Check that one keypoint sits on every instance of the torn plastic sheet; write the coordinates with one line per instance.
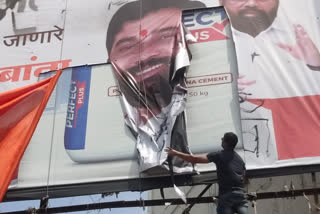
(150, 69)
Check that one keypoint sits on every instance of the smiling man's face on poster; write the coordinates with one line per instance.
(149, 56)
(143, 53)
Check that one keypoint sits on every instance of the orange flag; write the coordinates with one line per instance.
(20, 111)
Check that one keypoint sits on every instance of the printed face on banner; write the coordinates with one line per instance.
(279, 63)
(246, 15)
(149, 57)
(143, 53)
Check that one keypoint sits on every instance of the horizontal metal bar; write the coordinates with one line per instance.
(119, 204)
(287, 194)
(144, 184)
(165, 202)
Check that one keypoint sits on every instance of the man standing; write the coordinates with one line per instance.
(230, 171)
(147, 48)
(279, 76)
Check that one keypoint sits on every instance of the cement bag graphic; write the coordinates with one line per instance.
(94, 119)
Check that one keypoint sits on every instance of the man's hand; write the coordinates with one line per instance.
(187, 157)
(304, 49)
(170, 151)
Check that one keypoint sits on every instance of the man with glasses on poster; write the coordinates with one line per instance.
(279, 73)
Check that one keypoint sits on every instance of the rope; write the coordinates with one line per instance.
(310, 204)
(140, 67)
(55, 108)
(254, 204)
(139, 105)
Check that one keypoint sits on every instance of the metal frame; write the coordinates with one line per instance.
(163, 202)
(154, 183)
(143, 184)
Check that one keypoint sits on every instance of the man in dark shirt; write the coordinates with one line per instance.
(230, 170)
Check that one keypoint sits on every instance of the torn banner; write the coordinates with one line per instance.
(149, 58)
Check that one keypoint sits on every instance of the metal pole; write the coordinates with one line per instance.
(162, 202)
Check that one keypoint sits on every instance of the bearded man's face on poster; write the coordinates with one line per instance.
(143, 53)
(248, 14)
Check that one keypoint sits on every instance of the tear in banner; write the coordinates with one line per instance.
(149, 56)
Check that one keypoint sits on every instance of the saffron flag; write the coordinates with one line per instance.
(20, 111)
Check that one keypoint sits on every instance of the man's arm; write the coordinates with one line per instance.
(188, 157)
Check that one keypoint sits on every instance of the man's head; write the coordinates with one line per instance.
(140, 42)
(251, 16)
(229, 141)
(137, 9)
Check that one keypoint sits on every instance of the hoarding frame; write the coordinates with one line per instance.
(143, 184)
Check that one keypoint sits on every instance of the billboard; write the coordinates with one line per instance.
(99, 148)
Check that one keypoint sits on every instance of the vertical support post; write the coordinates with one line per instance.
(187, 210)
(314, 181)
